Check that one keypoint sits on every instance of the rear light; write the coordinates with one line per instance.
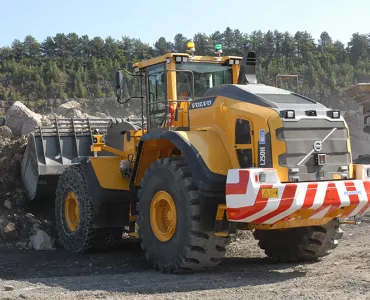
(262, 177)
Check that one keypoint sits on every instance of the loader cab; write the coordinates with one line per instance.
(173, 80)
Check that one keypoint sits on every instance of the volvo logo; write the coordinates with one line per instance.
(317, 146)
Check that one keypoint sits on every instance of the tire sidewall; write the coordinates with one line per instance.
(165, 253)
(72, 181)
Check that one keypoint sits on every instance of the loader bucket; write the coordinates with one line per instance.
(51, 149)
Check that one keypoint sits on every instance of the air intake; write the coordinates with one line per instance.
(247, 72)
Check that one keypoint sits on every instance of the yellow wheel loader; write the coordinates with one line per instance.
(215, 152)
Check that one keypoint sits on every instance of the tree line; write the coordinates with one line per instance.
(72, 66)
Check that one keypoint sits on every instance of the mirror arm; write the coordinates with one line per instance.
(119, 97)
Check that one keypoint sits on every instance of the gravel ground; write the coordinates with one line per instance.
(245, 274)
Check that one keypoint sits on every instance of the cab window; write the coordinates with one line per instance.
(206, 76)
(156, 95)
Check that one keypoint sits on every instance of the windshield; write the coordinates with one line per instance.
(206, 75)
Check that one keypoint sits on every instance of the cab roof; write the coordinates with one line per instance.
(196, 58)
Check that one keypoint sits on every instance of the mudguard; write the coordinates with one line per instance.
(111, 206)
(202, 151)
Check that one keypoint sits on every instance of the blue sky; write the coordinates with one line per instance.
(149, 20)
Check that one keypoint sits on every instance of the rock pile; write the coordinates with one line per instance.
(17, 225)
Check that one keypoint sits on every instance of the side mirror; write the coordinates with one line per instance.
(119, 84)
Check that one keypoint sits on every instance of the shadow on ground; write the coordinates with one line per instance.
(125, 270)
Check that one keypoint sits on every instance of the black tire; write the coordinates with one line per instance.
(85, 238)
(189, 249)
(299, 244)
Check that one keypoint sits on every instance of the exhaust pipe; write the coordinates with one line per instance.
(247, 72)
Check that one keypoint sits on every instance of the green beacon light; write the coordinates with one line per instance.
(218, 50)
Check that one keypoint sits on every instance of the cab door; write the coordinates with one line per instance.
(156, 93)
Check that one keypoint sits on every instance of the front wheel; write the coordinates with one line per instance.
(169, 220)
(73, 216)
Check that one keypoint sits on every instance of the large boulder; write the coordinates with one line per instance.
(21, 120)
(101, 115)
(5, 131)
(69, 109)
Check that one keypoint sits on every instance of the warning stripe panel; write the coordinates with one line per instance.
(323, 198)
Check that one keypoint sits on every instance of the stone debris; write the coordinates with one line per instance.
(9, 232)
(40, 240)
(8, 204)
(8, 288)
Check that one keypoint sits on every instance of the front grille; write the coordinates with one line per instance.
(244, 157)
(300, 137)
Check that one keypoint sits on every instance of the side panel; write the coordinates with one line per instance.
(110, 198)
(221, 116)
(210, 148)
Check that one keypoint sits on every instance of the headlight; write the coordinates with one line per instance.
(288, 114)
(336, 114)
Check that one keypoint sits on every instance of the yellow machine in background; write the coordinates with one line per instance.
(220, 152)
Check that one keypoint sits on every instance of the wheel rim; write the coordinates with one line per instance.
(163, 217)
(71, 211)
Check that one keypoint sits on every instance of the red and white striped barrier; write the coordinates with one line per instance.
(248, 200)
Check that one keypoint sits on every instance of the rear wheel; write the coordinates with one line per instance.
(299, 244)
(73, 216)
(169, 220)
